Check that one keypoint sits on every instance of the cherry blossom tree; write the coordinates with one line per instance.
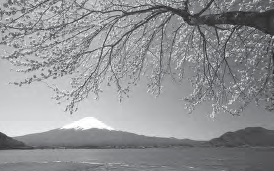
(223, 47)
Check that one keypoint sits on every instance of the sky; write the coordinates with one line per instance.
(30, 109)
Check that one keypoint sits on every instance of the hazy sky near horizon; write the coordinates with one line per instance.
(30, 109)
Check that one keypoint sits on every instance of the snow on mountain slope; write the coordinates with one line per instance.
(87, 123)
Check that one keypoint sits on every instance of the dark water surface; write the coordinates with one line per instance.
(173, 159)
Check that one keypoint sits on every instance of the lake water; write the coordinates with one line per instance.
(173, 159)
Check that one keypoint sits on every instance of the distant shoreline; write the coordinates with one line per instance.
(104, 148)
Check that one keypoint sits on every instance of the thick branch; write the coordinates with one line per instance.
(263, 21)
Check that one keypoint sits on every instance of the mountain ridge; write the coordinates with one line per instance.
(92, 133)
(248, 137)
(98, 138)
(7, 142)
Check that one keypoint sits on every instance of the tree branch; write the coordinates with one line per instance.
(263, 21)
(203, 10)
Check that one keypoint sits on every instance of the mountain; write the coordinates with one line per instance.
(251, 136)
(9, 143)
(91, 133)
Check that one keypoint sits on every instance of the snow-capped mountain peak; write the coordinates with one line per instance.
(87, 123)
